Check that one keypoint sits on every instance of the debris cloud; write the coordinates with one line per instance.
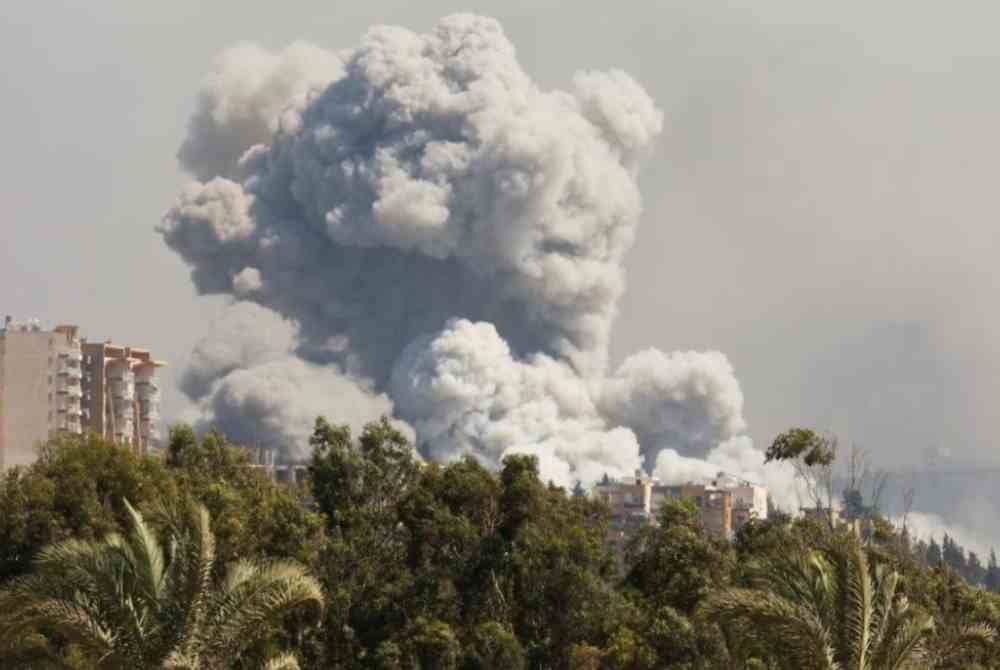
(415, 227)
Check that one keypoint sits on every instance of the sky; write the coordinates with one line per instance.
(819, 206)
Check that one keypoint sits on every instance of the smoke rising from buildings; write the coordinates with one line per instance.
(414, 226)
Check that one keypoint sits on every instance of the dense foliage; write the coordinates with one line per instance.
(457, 567)
(132, 601)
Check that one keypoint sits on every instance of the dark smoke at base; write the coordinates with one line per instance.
(429, 229)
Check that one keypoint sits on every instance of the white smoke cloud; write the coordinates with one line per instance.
(242, 99)
(737, 457)
(464, 393)
(441, 230)
(433, 156)
(926, 526)
(688, 401)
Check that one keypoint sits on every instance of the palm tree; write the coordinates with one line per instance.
(827, 608)
(130, 601)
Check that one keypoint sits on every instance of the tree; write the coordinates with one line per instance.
(357, 486)
(953, 555)
(76, 487)
(812, 455)
(829, 606)
(358, 489)
(965, 619)
(992, 579)
(251, 515)
(493, 647)
(802, 444)
(823, 608)
(130, 601)
(933, 553)
(859, 477)
(674, 563)
(73, 490)
(974, 570)
(433, 645)
(671, 567)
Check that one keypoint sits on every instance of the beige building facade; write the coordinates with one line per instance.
(121, 395)
(53, 382)
(40, 388)
(725, 504)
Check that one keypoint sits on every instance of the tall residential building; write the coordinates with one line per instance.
(52, 382)
(121, 399)
(40, 387)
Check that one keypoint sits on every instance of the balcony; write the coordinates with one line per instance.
(148, 398)
(122, 393)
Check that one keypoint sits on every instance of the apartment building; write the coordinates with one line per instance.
(749, 500)
(40, 387)
(51, 382)
(725, 504)
(121, 397)
(281, 472)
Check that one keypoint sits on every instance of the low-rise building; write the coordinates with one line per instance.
(725, 504)
(264, 460)
(749, 499)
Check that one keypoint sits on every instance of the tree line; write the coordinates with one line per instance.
(381, 562)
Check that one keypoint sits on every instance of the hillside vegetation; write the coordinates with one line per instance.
(382, 562)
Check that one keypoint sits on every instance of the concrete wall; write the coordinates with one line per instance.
(25, 389)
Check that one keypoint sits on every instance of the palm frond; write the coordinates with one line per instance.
(256, 597)
(907, 649)
(147, 555)
(858, 612)
(129, 602)
(957, 644)
(791, 630)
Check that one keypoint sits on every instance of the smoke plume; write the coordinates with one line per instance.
(246, 379)
(414, 226)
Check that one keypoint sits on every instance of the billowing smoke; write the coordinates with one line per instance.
(241, 102)
(246, 379)
(464, 392)
(688, 401)
(736, 456)
(417, 219)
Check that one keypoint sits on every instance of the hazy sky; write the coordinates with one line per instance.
(820, 207)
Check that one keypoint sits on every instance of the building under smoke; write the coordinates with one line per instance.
(725, 503)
